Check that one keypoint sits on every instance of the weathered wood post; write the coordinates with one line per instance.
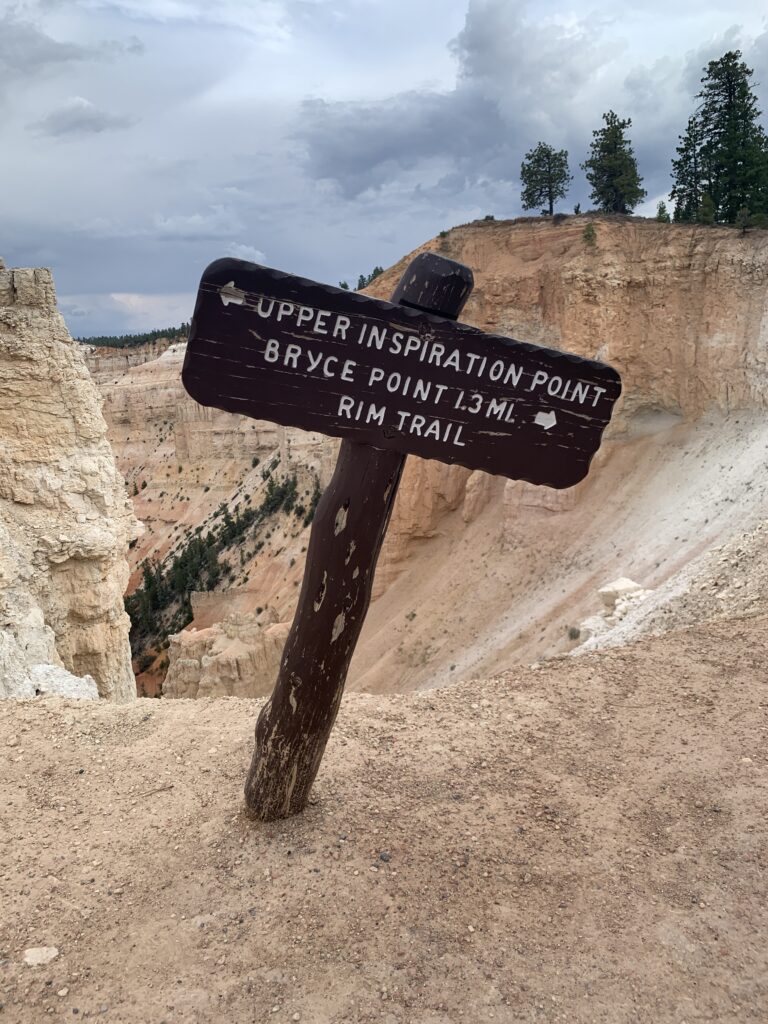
(346, 537)
(389, 379)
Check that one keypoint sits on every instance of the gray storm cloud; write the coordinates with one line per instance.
(78, 116)
(144, 138)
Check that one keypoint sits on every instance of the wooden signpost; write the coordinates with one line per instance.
(390, 379)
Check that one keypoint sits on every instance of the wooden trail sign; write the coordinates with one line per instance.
(279, 348)
(389, 379)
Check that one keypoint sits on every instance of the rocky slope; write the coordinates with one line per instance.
(478, 572)
(65, 521)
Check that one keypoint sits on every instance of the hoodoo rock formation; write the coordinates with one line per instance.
(478, 573)
(65, 520)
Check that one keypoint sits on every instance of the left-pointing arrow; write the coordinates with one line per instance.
(546, 420)
(231, 294)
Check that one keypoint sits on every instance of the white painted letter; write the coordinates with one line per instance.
(272, 351)
(496, 369)
(341, 326)
(412, 345)
(314, 361)
(346, 405)
(319, 327)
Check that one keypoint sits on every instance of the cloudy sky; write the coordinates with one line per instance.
(140, 139)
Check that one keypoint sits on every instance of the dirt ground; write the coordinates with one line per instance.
(582, 842)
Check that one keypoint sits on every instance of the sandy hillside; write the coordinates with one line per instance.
(585, 842)
(477, 573)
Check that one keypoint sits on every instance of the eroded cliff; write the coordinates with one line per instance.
(478, 572)
(65, 520)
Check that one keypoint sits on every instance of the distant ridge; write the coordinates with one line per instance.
(133, 340)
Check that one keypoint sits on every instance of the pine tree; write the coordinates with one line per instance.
(662, 213)
(365, 279)
(612, 168)
(706, 211)
(724, 152)
(545, 177)
(688, 173)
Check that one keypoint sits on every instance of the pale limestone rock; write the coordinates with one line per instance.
(620, 588)
(53, 681)
(39, 956)
(619, 599)
(478, 493)
(65, 521)
(239, 657)
(144, 395)
(22, 675)
(108, 364)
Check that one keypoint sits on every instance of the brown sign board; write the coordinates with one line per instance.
(277, 347)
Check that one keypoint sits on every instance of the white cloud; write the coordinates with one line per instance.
(218, 222)
(265, 19)
(245, 252)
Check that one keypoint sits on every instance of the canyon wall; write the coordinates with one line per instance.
(65, 520)
(107, 363)
(478, 572)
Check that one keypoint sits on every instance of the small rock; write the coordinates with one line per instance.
(746, 760)
(39, 956)
(12, 741)
(296, 1016)
(385, 856)
(63, 992)
(470, 928)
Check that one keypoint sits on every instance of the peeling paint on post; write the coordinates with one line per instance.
(346, 537)
(389, 379)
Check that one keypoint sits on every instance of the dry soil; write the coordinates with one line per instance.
(582, 842)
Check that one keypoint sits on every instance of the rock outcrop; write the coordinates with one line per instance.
(477, 572)
(65, 520)
(239, 657)
(108, 364)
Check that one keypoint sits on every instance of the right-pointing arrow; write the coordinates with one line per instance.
(546, 420)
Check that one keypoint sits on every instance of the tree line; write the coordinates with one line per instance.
(132, 340)
(720, 173)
